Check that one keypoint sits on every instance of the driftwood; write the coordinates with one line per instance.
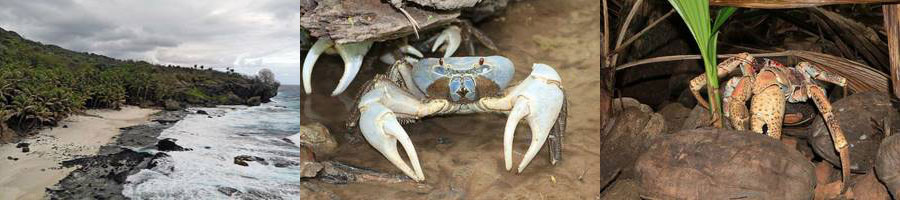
(346, 21)
(892, 27)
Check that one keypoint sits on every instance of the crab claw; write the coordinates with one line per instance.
(452, 36)
(351, 53)
(539, 99)
(410, 54)
(380, 127)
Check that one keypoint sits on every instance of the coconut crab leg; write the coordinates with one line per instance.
(452, 36)
(837, 135)
(540, 100)
(744, 60)
(351, 53)
(381, 108)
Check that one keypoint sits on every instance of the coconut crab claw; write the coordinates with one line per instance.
(351, 53)
(452, 36)
(540, 100)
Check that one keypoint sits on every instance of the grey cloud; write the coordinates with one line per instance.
(242, 34)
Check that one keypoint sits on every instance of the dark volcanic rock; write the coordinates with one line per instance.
(102, 176)
(723, 164)
(243, 159)
(229, 191)
(25, 149)
(99, 177)
(860, 117)
(20, 145)
(168, 144)
(202, 112)
(253, 101)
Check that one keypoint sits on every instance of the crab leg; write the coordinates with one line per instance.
(837, 135)
(311, 57)
(539, 99)
(743, 60)
(409, 53)
(452, 36)
(351, 53)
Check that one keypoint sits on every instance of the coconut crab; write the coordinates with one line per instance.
(460, 85)
(771, 84)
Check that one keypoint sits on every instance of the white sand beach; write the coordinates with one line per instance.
(27, 177)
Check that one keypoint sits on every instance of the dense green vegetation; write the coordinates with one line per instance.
(42, 84)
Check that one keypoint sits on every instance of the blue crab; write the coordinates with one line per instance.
(460, 85)
(352, 54)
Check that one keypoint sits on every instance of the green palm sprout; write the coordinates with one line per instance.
(696, 15)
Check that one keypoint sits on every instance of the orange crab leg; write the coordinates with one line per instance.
(837, 135)
(727, 66)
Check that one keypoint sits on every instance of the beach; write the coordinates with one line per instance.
(26, 175)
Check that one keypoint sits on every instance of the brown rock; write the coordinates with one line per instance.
(675, 115)
(630, 133)
(723, 164)
(828, 191)
(868, 187)
(887, 164)
(317, 137)
(823, 173)
(308, 165)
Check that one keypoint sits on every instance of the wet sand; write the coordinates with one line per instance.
(462, 155)
(27, 177)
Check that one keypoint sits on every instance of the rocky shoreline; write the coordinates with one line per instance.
(102, 176)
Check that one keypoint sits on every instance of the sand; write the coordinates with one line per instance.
(38, 169)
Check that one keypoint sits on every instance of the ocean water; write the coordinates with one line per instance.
(208, 171)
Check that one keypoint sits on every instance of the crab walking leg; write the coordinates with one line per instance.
(452, 36)
(822, 75)
(383, 131)
(409, 53)
(743, 60)
(352, 54)
(539, 99)
(837, 135)
(311, 57)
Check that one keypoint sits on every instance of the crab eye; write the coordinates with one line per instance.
(483, 69)
(440, 70)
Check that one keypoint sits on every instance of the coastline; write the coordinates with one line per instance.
(27, 175)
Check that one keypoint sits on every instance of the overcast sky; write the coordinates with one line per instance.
(248, 35)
